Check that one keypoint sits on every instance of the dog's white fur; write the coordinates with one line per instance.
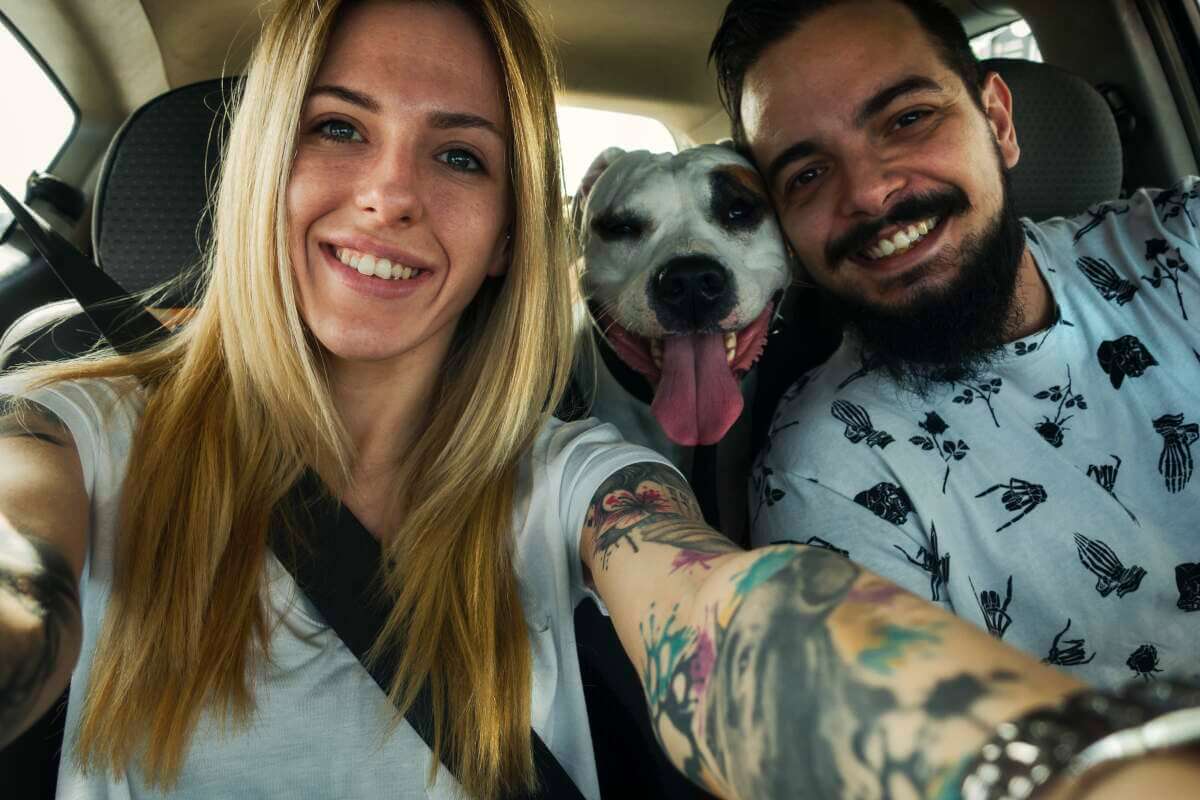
(674, 194)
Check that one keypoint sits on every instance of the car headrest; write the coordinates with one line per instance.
(149, 223)
(1070, 147)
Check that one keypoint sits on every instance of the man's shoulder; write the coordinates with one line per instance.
(1172, 211)
(844, 400)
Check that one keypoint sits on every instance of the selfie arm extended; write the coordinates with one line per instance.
(789, 671)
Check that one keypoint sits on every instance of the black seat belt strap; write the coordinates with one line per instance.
(337, 568)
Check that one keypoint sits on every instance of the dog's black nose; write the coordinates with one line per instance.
(693, 289)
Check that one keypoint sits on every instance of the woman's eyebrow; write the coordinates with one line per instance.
(445, 120)
(349, 95)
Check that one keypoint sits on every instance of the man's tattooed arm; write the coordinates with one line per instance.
(789, 671)
(43, 508)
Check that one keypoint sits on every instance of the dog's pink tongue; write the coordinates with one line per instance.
(697, 398)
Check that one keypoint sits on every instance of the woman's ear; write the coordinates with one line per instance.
(502, 257)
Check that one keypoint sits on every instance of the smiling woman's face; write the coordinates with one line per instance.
(399, 195)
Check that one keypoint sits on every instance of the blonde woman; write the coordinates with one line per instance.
(387, 305)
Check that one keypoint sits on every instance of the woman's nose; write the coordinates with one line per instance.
(391, 190)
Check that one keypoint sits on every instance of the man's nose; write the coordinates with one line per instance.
(390, 191)
(869, 184)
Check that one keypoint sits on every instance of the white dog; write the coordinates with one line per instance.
(683, 265)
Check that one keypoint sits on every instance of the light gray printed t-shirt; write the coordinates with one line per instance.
(320, 726)
(1053, 498)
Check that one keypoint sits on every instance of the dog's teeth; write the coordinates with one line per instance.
(656, 352)
(730, 346)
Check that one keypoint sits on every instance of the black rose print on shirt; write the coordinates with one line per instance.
(1052, 430)
(948, 450)
(1144, 661)
(1167, 267)
(1124, 357)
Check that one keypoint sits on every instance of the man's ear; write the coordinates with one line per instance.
(599, 164)
(998, 108)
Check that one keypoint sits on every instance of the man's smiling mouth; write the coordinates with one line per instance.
(900, 241)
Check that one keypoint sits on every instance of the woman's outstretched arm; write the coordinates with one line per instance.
(789, 671)
(43, 528)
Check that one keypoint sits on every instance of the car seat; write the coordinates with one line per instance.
(149, 224)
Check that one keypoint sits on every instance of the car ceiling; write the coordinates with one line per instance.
(632, 55)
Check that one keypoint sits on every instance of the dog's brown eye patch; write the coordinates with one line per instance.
(738, 203)
(612, 226)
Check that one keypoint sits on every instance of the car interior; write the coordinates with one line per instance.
(1106, 101)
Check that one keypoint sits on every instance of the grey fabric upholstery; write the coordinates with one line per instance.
(1070, 148)
(149, 224)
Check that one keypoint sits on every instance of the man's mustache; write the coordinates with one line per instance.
(940, 204)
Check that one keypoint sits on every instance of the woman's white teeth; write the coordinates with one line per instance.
(367, 264)
(901, 240)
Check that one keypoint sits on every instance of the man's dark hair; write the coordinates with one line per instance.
(749, 27)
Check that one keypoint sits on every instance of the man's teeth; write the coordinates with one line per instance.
(656, 349)
(367, 264)
(901, 240)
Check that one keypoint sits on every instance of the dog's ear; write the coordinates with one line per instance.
(599, 164)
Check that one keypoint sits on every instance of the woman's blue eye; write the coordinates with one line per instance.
(339, 131)
(461, 161)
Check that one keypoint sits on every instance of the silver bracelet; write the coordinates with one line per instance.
(1089, 729)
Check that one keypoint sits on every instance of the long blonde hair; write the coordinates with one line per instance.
(238, 406)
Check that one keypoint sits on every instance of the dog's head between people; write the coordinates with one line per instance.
(885, 149)
(683, 262)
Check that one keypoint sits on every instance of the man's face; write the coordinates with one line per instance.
(885, 172)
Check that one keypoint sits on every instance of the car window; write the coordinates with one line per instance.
(41, 118)
(586, 132)
(1014, 40)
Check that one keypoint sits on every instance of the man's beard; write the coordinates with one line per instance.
(953, 331)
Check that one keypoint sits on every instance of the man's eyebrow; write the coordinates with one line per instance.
(446, 120)
(349, 95)
(887, 95)
(872, 106)
(794, 153)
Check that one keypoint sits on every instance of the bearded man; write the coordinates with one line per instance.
(1019, 400)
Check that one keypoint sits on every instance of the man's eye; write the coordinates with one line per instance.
(910, 118)
(338, 130)
(461, 161)
(805, 176)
